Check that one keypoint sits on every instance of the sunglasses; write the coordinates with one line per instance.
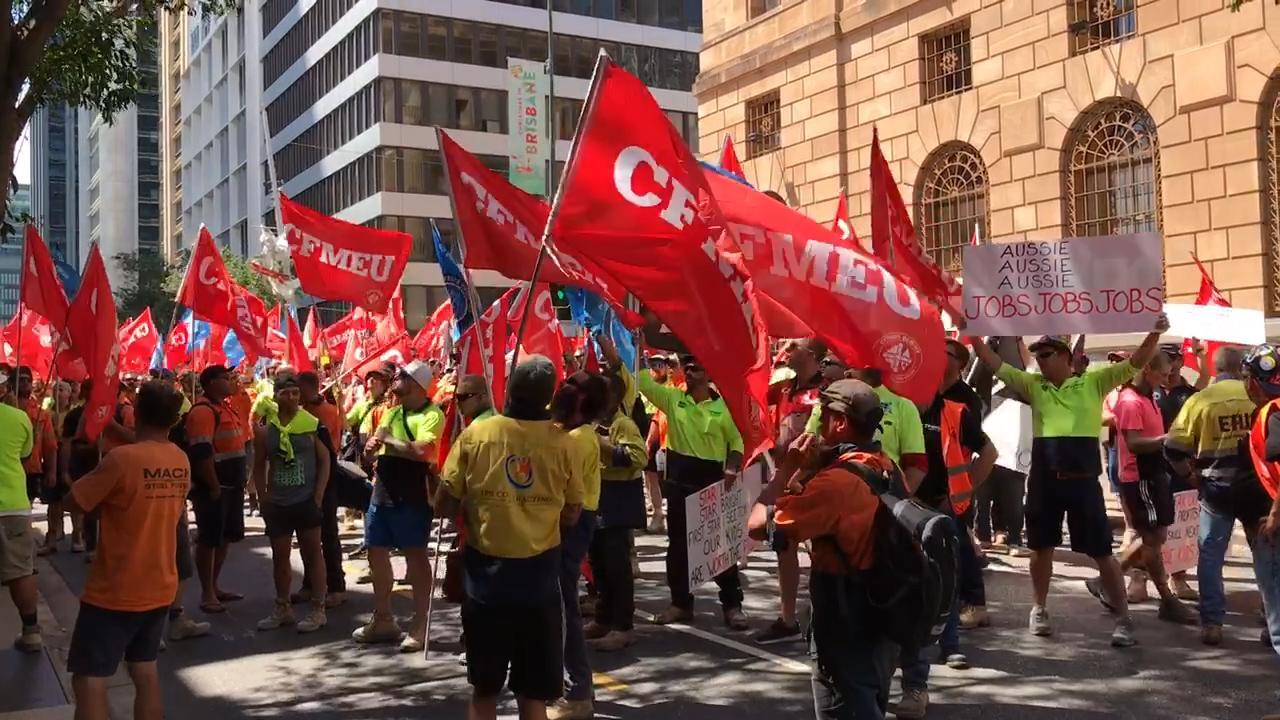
(463, 397)
(692, 367)
(1046, 354)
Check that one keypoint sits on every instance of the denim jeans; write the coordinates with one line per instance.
(1215, 539)
(573, 549)
(852, 660)
(1266, 566)
(971, 588)
(915, 662)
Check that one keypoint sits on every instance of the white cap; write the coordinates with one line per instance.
(420, 372)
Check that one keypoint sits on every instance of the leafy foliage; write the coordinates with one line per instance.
(153, 283)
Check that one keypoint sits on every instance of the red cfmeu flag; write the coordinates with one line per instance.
(138, 339)
(298, 356)
(636, 203)
(1209, 295)
(91, 322)
(483, 348)
(432, 341)
(30, 335)
(42, 291)
(842, 226)
(729, 158)
(866, 315)
(211, 294)
(894, 239)
(337, 260)
(501, 229)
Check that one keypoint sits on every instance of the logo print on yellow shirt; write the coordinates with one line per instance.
(519, 470)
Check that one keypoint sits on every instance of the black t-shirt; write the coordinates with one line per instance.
(961, 392)
(84, 455)
(1171, 400)
(934, 490)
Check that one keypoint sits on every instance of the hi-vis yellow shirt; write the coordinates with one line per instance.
(513, 478)
(1210, 428)
(702, 430)
(585, 452)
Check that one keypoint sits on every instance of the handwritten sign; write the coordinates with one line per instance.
(1215, 322)
(716, 522)
(1181, 547)
(1107, 284)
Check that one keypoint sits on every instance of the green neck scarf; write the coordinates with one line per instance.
(301, 424)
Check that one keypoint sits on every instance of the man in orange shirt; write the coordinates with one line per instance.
(140, 491)
(331, 543)
(42, 464)
(830, 501)
(219, 465)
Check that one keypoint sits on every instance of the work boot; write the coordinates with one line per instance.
(613, 642)
(778, 632)
(673, 614)
(281, 614)
(735, 619)
(974, 616)
(913, 705)
(1122, 636)
(183, 627)
(1211, 635)
(1178, 584)
(564, 709)
(29, 640)
(1172, 610)
(378, 630)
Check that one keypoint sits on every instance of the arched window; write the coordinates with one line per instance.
(1113, 172)
(1269, 124)
(951, 202)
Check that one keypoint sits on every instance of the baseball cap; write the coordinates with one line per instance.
(851, 397)
(533, 381)
(1173, 351)
(1116, 356)
(287, 383)
(1263, 365)
(1052, 342)
(211, 373)
(386, 369)
(419, 372)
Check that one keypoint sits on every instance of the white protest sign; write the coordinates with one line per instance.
(716, 524)
(1242, 326)
(1181, 548)
(1009, 427)
(1110, 284)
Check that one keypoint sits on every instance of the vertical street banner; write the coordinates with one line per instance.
(528, 142)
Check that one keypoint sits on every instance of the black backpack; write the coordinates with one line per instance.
(178, 433)
(911, 586)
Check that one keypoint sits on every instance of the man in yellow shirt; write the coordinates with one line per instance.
(17, 542)
(514, 479)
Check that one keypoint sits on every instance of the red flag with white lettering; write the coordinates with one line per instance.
(365, 355)
(337, 260)
(298, 355)
(894, 238)
(177, 347)
(635, 201)
(432, 341)
(866, 315)
(1209, 294)
(138, 339)
(729, 158)
(210, 292)
(843, 227)
(31, 335)
(42, 291)
(501, 229)
(484, 348)
(91, 321)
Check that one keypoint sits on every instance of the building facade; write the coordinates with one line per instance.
(1030, 119)
(11, 254)
(55, 190)
(119, 165)
(353, 88)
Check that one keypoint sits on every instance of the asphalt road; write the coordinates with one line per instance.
(704, 672)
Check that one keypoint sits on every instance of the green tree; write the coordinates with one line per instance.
(150, 282)
(86, 53)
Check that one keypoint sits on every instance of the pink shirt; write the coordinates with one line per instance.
(1134, 411)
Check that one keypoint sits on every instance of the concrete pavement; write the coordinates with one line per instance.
(704, 672)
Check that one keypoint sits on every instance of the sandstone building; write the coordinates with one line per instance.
(1032, 119)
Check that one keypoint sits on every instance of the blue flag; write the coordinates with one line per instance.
(594, 314)
(455, 283)
(233, 350)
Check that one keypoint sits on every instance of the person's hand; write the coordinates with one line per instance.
(803, 451)
(730, 477)
(1270, 525)
(373, 444)
(1162, 324)
(606, 448)
(1198, 348)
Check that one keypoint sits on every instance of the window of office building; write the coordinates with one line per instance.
(1113, 172)
(1096, 23)
(951, 203)
(946, 62)
(756, 8)
(764, 131)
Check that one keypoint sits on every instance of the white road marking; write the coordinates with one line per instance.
(786, 663)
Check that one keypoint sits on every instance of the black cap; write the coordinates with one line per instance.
(853, 398)
(533, 381)
(1061, 343)
(211, 373)
(286, 383)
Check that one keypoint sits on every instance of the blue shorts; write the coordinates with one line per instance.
(397, 526)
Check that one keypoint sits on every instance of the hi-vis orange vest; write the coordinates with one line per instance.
(959, 486)
(1268, 472)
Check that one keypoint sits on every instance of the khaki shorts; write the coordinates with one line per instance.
(17, 546)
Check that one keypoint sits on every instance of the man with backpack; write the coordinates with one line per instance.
(832, 502)
(215, 442)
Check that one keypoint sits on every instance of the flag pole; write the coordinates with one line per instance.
(587, 109)
(22, 287)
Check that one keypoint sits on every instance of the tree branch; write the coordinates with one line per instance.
(40, 22)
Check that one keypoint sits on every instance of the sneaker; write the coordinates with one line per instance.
(1122, 636)
(300, 597)
(614, 641)
(1174, 611)
(29, 640)
(564, 709)
(735, 619)
(77, 546)
(335, 600)
(1211, 635)
(1137, 591)
(1039, 623)
(183, 627)
(657, 526)
(673, 614)
(378, 630)
(359, 553)
(595, 631)
(411, 644)
(1094, 585)
(281, 614)
(1184, 591)
(974, 616)
(913, 705)
(778, 632)
(314, 620)
(956, 661)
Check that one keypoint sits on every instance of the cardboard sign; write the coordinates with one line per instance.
(1009, 427)
(1216, 323)
(1181, 549)
(1110, 284)
(716, 524)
